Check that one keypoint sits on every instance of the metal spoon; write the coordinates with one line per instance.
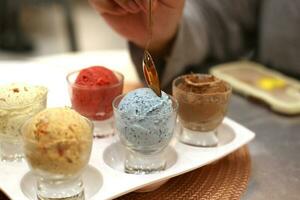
(149, 69)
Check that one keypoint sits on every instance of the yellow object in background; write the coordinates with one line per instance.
(271, 83)
(281, 92)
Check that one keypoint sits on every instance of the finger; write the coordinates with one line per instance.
(172, 4)
(141, 5)
(128, 5)
(144, 4)
(132, 4)
(107, 7)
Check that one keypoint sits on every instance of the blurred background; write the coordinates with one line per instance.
(30, 28)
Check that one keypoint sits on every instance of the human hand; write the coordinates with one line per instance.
(129, 18)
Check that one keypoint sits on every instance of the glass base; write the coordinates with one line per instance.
(60, 190)
(197, 138)
(138, 163)
(10, 150)
(104, 128)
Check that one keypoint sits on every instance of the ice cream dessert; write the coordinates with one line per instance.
(145, 120)
(93, 91)
(203, 102)
(57, 142)
(145, 123)
(96, 76)
(18, 102)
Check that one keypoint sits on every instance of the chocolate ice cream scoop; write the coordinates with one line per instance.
(202, 84)
(203, 101)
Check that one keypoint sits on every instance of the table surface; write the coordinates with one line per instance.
(274, 152)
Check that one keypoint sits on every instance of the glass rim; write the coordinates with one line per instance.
(44, 96)
(97, 87)
(175, 105)
(227, 92)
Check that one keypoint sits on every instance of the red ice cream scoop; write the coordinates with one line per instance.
(94, 90)
(96, 76)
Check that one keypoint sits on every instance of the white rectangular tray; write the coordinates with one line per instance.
(104, 182)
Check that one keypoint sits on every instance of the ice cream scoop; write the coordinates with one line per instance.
(18, 102)
(203, 101)
(20, 94)
(92, 91)
(145, 123)
(145, 118)
(57, 146)
(96, 76)
(57, 141)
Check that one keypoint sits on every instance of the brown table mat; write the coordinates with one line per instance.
(224, 179)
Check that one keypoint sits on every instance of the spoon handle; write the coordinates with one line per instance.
(150, 24)
(149, 69)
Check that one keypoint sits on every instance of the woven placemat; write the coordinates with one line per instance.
(224, 179)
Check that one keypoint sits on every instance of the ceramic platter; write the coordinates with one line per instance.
(104, 177)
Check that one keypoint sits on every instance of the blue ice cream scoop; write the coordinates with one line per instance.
(144, 121)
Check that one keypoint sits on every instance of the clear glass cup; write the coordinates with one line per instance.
(202, 110)
(58, 164)
(11, 120)
(95, 102)
(144, 152)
